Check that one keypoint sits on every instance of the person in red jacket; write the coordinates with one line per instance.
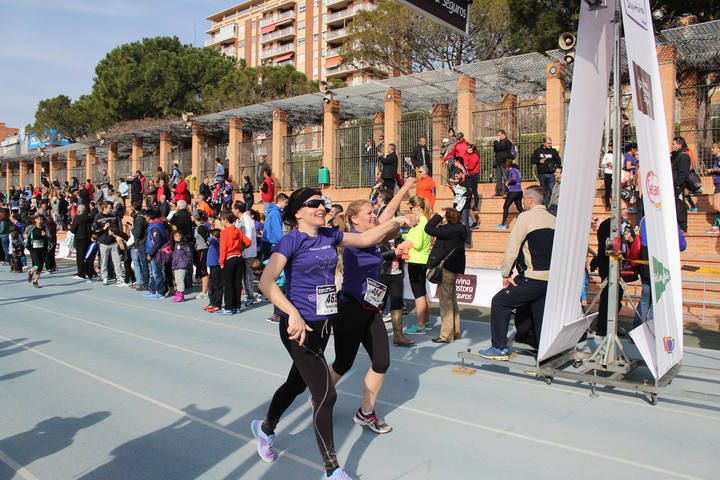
(232, 243)
(267, 189)
(180, 191)
(472, 163)
(457, 150)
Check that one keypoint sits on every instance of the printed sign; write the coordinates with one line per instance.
(454, 14)
(652, 189)
(643, 91)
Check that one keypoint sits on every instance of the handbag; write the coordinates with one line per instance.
(693, 182)
(434, 274)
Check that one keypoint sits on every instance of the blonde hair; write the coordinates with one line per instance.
(342, 223)
(417, 201)
(352, 210)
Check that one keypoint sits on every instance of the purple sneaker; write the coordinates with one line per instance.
(265, 442)
(339, 474)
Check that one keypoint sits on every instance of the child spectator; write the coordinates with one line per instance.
(18, 251)
(90, 256)
(232, 243)
(181, 261)
(215, 292)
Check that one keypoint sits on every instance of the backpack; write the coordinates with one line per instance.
(513, 151)
(694, 182)
(164, 254)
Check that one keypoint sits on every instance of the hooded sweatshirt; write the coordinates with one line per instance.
(273, 231)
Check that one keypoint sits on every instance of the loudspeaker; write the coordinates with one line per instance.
(567, 41)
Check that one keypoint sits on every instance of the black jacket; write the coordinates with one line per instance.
(205, 191)
(183, 223)
(387, 250)
(503, 150)
(551, 157)
(447, 237)
(82, 226)
(417, 158)
(99, 227)
(139, 231)
(389, 166)
(164, 209)
(680, 162)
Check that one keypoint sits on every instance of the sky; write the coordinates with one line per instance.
(51, 47)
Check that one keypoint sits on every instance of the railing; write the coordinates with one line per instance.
(221, 36)
(277, 18)
(79, 173)
(100, 165)
(254, 156)
(434, 130)
(330, 3)
(183, 157)
(302, 157)
(271, 52)
(356, 154)
(3, 185)
(336, 34)
(525, 127)
(60, 174)
(268, 37)
(123, 168)
(148, 165)
(208, 154)
(332, 52)
(348, 12)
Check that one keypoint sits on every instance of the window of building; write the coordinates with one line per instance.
(301, 58)
(301, 41)
(315, 36)
(301, 8)
(301, 24)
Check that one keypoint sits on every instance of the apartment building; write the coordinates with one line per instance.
(305, 33)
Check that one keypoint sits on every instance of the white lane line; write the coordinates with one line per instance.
(479, 374)
(157, 403)
(16, 467)
(477, 426)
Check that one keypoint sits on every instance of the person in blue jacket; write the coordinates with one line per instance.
(273, 230)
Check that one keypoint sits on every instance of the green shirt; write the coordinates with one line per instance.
(420, 251)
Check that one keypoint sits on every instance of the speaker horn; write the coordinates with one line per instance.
(567, 41)
(569, 57)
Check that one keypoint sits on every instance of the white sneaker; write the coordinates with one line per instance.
(201, 295)
(121, 284)
(77, 277)
(105, 282)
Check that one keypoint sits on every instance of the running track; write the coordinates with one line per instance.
(100, 383)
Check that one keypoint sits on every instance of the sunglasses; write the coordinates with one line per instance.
(314, 203)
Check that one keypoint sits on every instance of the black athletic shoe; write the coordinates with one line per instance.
(36, 285)
(372, 421)
(30, 275)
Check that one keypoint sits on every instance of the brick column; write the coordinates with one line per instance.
(689, 108)
(52, 166)
(440, 112)
(331, 121)
(393, 115)
(279, 132)
(37, 170)
(8, 178)
(136, 154)
(90, 161)
(235, 136)
(112, 153)
(198, 141)
(71, 163)
(22, 171)
(466, 106)
(508, 119)
(668, 73)
(165, 149)
(555, 104)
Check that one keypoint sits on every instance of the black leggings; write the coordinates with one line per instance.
(232, 275)
(309, 369)
(38, 255)
(394, 293)
(607, 178)
(354, 325)
(510, 198)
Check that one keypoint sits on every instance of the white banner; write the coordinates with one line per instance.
(563, 323)
(476, 287)
(660, 342)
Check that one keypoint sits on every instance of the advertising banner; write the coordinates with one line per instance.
(660, 342)
(563, 323)
(476, 287)
(454, 14)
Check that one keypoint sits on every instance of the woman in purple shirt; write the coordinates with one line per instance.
(308, 256)
(514, 191)
(360, 307)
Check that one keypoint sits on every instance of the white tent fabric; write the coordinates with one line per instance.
(563, 323)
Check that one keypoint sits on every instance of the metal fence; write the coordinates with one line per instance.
(253, 156)
(698, 121)
(183, 157)
(525, 127)
(302, 157)
(356, 154)
(14, 181)
(97, 169)
(79, 173)
(148, 165)
(434, 129)
(3, 184)
(208, 154)
(123, 167)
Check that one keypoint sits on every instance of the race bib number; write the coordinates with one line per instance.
(326, 300)
(375, 292)
(38, 244)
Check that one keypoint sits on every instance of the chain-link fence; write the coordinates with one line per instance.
(302, 157)
(123, 168)
(97, 169)
(698, 121)
(434, 129)
(148, 165)
(208, 154)
(183, 157)
(356, 154)
(254, 155)
(525, 127)
(79, 173)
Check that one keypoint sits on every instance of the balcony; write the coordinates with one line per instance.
(342, 15)
(335, 35)
(284, 34)
(333, 52)
(342, 70)
(229, 51)
(224, 35)
(273, 52)
(336, 3)
(283, 17)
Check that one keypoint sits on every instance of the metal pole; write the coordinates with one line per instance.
(616, 215)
